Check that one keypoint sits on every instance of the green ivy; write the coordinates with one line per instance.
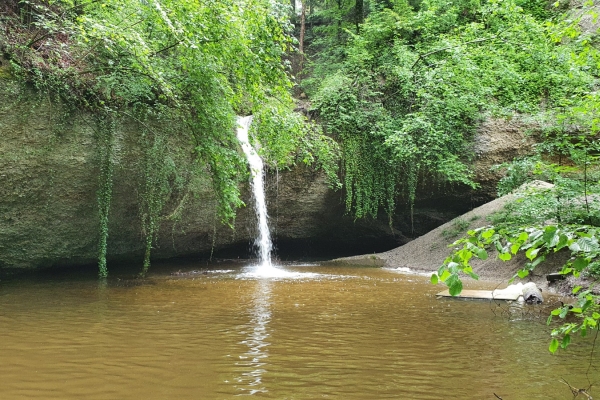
(106, 146)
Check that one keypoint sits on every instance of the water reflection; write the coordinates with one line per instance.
(348, 334)
(254, 361)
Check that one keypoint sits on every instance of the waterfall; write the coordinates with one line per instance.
(263, 241)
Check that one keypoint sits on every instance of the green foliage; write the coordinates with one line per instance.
(586, 311)
(562, 218)
(180, 62)
(159, 175)
(535, 243)
(406, 93)
(564, 203)
(357, 122)
(516, 173)
(106, 146)
(542, 221)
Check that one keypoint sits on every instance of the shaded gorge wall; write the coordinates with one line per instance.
(50, 168)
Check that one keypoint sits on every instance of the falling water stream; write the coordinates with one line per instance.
(263, 241)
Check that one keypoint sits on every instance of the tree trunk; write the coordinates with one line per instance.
(359, 14)
(302, 32)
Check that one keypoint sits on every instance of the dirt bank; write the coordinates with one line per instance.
(427, 253)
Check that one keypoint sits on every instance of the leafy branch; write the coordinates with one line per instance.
(535, 243)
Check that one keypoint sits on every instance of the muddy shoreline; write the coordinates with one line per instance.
(427, 253)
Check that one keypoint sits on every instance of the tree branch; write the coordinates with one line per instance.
(576, 391)
(167, 48)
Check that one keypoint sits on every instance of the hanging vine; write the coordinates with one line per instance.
(156, 188)
(106, 146)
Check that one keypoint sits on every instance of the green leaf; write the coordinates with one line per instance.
(523, 273)
(445, 275)
(532, 253)
(488, 233)
(537, 261)
(473, 275)
(576, 289)
(504, 256)
(441, 269)
(465, 254)
(563, 312)
(580, 263)
(566, 270)
(565, 341)
(452, 265)
(481, 253)
(456, 288)
(562, 242)
(550, 236)
(574, 247)
(587, 244)
(553, 346)
(515, 248)
(523, 237)
(469, 271)
(434, 279)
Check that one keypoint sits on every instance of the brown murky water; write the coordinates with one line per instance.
(344, 334)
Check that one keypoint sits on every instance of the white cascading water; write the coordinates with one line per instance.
(263, 242)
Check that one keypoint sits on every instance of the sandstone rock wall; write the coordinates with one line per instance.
(49, 178)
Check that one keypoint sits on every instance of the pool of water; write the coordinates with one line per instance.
(318, 332)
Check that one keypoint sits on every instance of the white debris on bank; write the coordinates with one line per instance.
(528, 292)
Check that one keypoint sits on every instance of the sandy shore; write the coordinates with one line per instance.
(427, 253)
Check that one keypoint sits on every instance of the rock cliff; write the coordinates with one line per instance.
(49, 179)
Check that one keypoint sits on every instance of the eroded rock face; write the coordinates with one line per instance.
(49, 179)
(498, 141)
